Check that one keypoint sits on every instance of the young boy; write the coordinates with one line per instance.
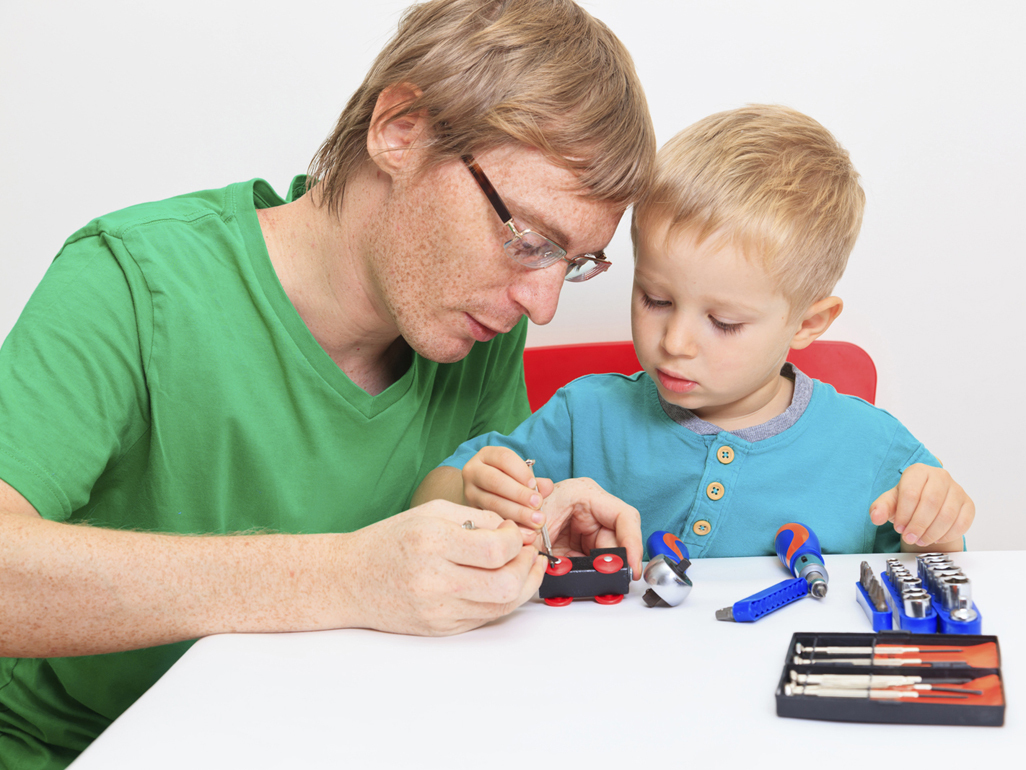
(738, 246)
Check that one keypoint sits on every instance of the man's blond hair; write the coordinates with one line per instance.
(770, 181)
(493, 73)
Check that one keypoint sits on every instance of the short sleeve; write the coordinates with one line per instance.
(546, 436)
(905, 450)
(72, 381)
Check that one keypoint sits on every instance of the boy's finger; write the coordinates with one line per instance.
(882, 509)
(497, 481)
(909, 489)
(545, 486)
(952, 522)
(507, 509)
(935, 501)
(937, 530)
(510, 463)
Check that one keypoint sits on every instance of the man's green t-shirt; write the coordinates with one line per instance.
(160, 379)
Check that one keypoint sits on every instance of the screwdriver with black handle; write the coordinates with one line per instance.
(798, 549)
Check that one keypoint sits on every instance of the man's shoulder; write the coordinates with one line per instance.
(223, 203)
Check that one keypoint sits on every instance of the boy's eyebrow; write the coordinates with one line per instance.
(730, 305)
(720, 303)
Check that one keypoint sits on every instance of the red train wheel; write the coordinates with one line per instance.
(609, 598)
(607, 563)
(561, 566)
(559, 601)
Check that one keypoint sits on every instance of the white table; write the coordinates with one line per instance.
(592, 685)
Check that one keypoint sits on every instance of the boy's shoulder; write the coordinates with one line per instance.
(606, 382)
(846, 412)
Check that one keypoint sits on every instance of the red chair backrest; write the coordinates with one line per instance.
(546, 369)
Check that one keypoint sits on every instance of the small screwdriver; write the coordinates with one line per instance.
(798, 549)
(546, 542)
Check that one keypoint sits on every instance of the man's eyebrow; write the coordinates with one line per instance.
(532, 216)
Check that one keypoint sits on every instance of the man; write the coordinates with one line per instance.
(231, 365)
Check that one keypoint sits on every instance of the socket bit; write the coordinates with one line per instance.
(917, 604)
(938, 576)
(909, 584)
(956, 593)
(923, 565)
(892, 564)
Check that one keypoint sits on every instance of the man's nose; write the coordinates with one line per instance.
(537, 291)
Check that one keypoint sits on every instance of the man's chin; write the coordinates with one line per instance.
(448, 352)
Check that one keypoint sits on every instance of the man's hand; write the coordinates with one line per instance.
(421, 572)
(496, 479)
(581, 516)
(108, 590)
(928, 508)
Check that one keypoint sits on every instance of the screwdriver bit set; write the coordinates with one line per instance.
(936, 599)
(893, 677)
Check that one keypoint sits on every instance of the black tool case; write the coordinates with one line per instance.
(987, 709)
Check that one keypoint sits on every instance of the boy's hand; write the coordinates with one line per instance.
(496, 479)
(581, 516)
(927, 507)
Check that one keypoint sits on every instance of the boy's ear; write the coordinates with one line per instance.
(390, 139)
(816, 320)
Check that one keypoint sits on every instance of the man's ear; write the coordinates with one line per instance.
(389, 139)
(816, 320)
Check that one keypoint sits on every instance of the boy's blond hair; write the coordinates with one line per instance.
(770, 181)
(493, 73)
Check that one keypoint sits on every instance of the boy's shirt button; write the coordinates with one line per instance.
(701, 527)
(725, 455)
(715, 491)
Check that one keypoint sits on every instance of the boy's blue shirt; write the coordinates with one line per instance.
(824, 471)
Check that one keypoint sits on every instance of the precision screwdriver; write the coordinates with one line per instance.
(879, 681)
(875, 650)
(841, 692)
(800, 661)
(546, 542)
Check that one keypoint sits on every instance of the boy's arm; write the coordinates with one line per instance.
(443, 483)
(494, 479)
(929, 510)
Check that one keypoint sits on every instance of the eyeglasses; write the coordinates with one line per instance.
(533, 249)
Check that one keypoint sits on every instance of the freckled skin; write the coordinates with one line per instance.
(444, 257)
(400, 266)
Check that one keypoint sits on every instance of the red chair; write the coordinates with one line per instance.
(546, 369)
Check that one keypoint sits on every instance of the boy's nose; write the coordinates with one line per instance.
(537, 291)
(679, 341)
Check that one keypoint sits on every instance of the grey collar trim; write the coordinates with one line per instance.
(773, 427)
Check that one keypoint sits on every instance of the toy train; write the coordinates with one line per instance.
(602, 575)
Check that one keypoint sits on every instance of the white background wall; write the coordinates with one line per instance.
(112, 102)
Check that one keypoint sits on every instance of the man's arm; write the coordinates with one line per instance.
(70, 589)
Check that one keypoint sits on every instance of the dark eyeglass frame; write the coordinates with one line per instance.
(523, 244)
